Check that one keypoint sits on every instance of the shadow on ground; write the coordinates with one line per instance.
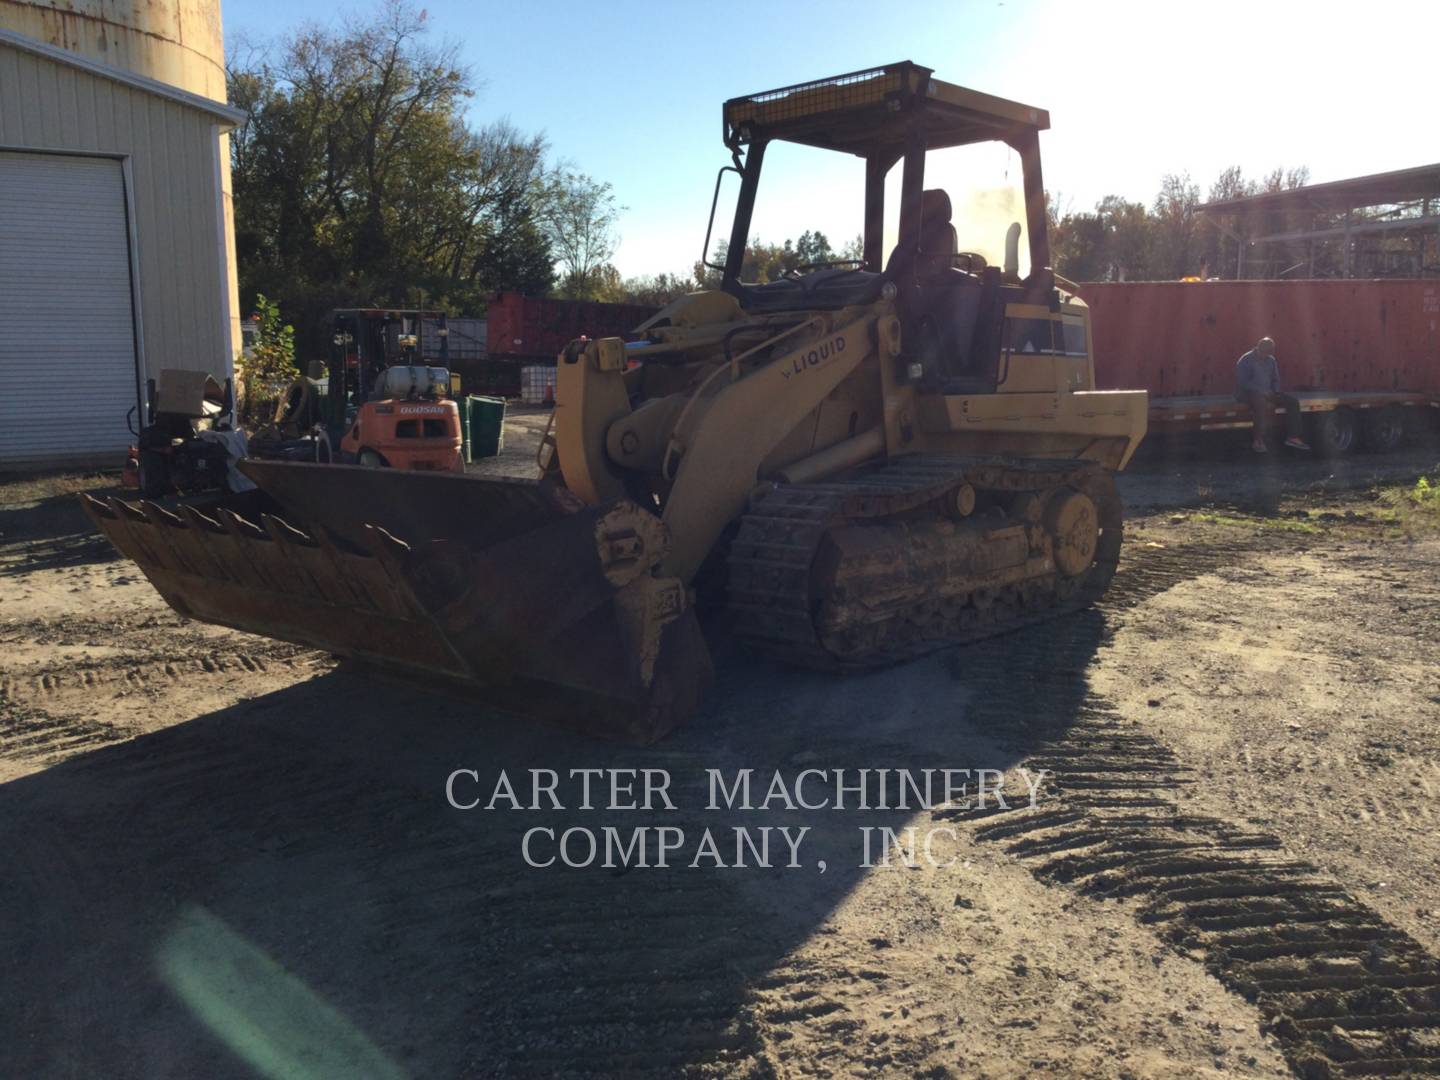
(281, 885)
(51, 530)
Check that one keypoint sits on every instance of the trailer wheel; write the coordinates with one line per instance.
(1382, 430)
(1333, 433)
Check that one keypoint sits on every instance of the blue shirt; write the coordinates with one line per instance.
(1256, 374)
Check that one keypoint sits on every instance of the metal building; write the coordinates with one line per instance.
(116, 239)
(1383, 225)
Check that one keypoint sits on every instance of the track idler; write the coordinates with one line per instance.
(511, 589)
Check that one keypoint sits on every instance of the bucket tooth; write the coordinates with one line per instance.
(127, 511)
(200, 522)
(95, 508)
(180, 542)
(158, 515)
(133, 534)
(238, 526)
(382, 544)
(206, 541)
(282, 532)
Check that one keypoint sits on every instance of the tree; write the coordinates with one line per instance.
(1283, 179)
(358, 183)
(706, 275)
(514, 253)
(769, 262)
(1077, 243)
(270, 368)
(1221, 243)
(1176, 252)
(1126, 248)
(813, 248)
(579, 216)
(1123, 240)
(657, 290)
(509, 248)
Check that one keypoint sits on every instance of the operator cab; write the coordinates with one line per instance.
(908, 129)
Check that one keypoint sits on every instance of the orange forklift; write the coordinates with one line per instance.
(412, 424)
(383, 401)
(393, 409)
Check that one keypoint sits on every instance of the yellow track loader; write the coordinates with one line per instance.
(864, 460)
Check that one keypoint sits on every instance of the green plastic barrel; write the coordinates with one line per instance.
(462, 403)
(483, 426)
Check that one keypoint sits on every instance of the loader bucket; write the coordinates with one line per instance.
(511, 588)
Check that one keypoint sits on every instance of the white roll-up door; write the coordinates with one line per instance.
(67, 341)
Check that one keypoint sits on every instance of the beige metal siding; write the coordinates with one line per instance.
(171, 152)
(67, 355)
(178, 42)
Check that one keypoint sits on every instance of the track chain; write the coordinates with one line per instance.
(769, 564)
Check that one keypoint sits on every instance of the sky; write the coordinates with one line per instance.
(631, 92)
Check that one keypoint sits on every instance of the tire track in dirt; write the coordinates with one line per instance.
(126, 673)
(1345, 992)
(588, 996)
(36, 735)
(66, 689)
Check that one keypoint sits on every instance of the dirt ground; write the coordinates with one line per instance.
(228, 856)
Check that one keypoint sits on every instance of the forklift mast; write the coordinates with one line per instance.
(366, 341)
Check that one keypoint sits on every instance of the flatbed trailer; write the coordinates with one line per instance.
(1376, 420)
(1362, 357)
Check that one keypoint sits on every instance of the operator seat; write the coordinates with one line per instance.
(952, 314)
(938, 241)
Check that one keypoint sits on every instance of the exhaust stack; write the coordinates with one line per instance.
(1012, 250)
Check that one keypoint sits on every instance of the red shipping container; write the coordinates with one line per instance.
(535, 330)
(1182, 338)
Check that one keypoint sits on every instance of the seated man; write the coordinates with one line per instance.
(1257, 384)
